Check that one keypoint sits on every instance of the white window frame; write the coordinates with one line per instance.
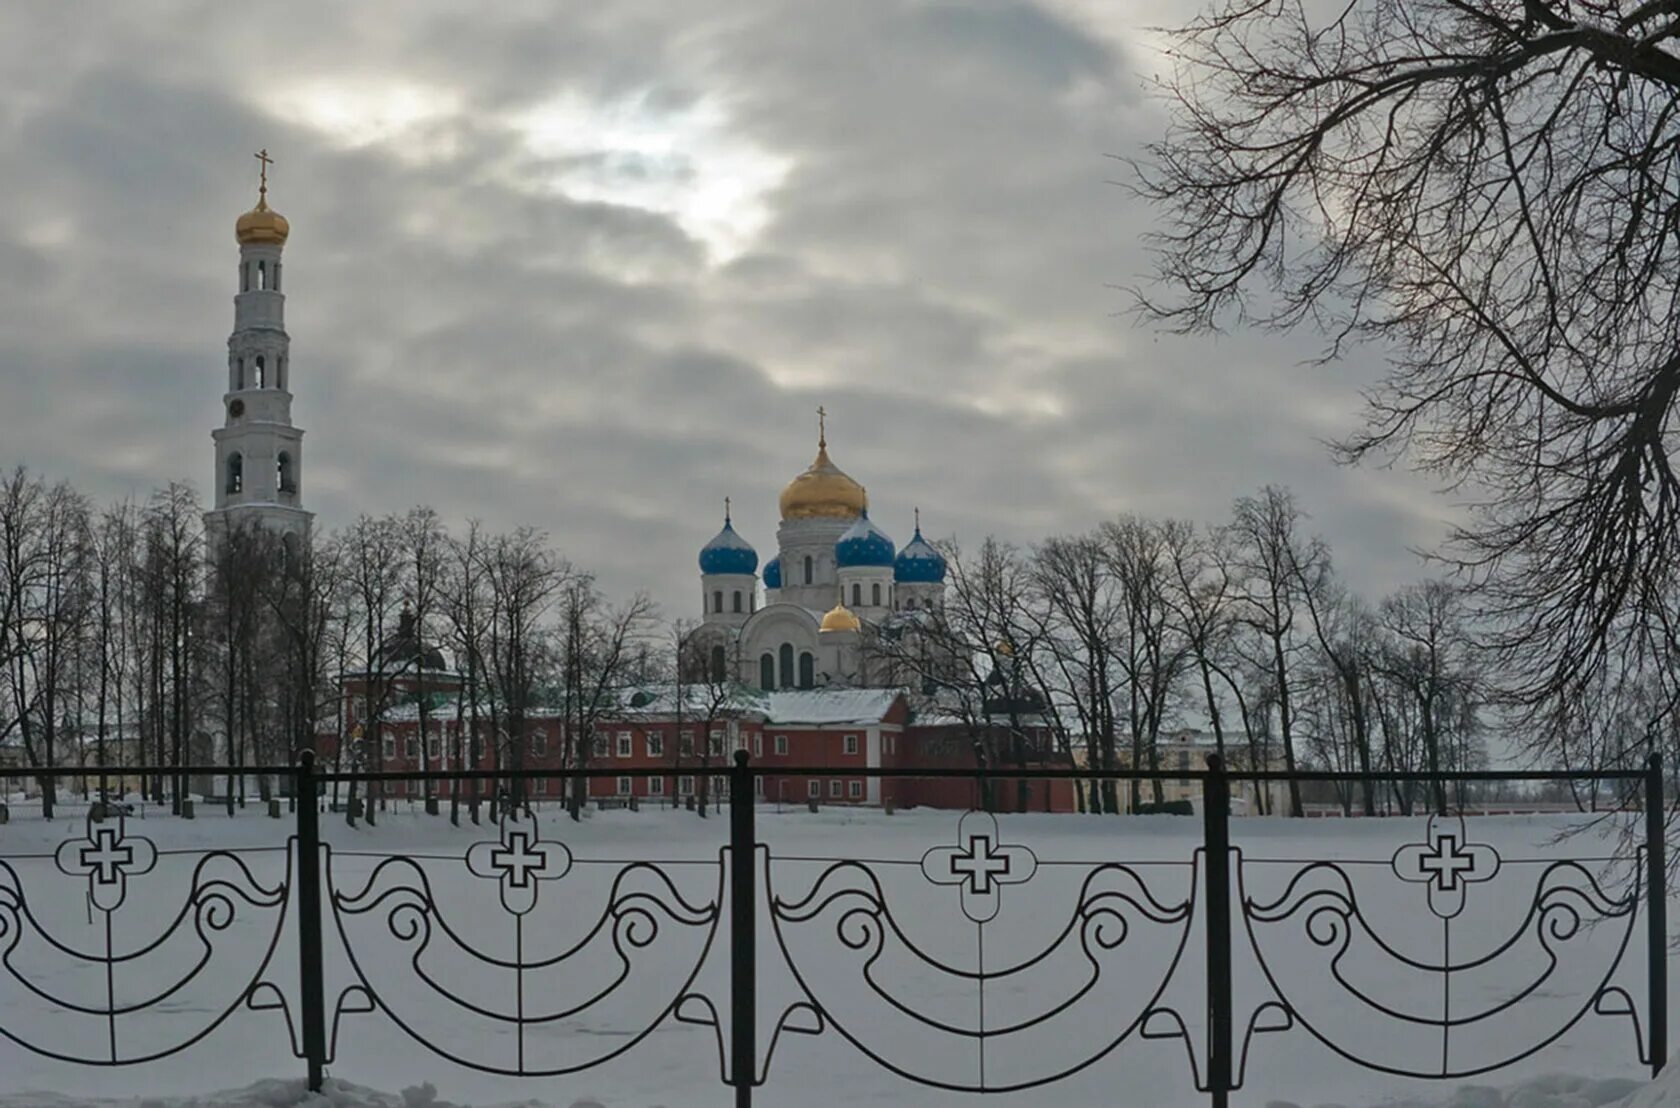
(626, 786)
(813, 788)
(411, 745)
(714, 744)
(656, 744)
(685, 744)
(685, 785)
(851, 744)
(539, 742)
(835, 788)
(854, 790)
(758, 746)
(781, 745)
(656, 786)
(624, 748)
(603, 743)
(388, 746)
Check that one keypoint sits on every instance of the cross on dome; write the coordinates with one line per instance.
(262, 185)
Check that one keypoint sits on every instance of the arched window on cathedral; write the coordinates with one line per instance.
(276, 276)
(257, 373)
(717, 600)
(737, 600)
(807, 671)
(808, 575)
(280, 372)
(718, 663)
(857, 595)
(235, 474)
(238, 374)
(284, 480)
(875, 594)
(245, 278)
(787, 665)
(262, 275)
(766, 671)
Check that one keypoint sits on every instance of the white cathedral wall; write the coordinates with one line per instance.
(798, 539)
(728, 584)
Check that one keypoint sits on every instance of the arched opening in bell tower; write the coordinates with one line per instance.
(258, 373)
(284, 479)
(235, 474)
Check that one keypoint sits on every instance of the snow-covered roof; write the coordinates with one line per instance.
(830, 705)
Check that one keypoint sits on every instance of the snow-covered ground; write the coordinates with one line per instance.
(1129, 933)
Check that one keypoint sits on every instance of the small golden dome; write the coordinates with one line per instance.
(262, 226)
(841, 618)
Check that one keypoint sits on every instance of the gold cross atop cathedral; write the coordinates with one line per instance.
(726, 509)
(262, 156)
(822, 426)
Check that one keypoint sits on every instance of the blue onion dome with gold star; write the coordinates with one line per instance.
(773, 573)
(728, 552)
(863, 544)
(919, 563)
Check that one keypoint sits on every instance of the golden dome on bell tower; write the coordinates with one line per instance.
(823, 491)
(262, 225)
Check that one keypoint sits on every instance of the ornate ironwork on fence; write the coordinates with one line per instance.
(497, 958)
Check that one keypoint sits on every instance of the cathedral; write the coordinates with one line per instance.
(836, 578)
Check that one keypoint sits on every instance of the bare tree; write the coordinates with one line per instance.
(465, 601)
(524, 577)
(1152, 652)
(1347, 639)
(424, 541)
(597, 644)
(1433, 661)
(1272, 556)
(1487, 188)
(1075, 588)
(372, 566)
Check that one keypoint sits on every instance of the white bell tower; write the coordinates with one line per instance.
(259, 454)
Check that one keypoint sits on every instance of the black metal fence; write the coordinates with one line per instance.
(755, 945)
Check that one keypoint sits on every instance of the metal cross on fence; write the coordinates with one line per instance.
(517, 860)
(980, 863)
(1446, 864)
(106, 856)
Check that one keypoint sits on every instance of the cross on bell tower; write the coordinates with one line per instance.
(259, 453)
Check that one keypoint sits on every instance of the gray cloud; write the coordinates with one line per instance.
(508, 295)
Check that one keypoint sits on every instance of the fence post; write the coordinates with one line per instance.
(1216, 843)
(1656, 914)
(310, 987)
(743, 917)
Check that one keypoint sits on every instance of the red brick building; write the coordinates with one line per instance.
(836, 730)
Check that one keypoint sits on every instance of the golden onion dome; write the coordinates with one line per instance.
(823, 491)
(841, 618)
(262, 226)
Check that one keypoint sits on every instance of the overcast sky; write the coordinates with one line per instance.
(593, 266)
